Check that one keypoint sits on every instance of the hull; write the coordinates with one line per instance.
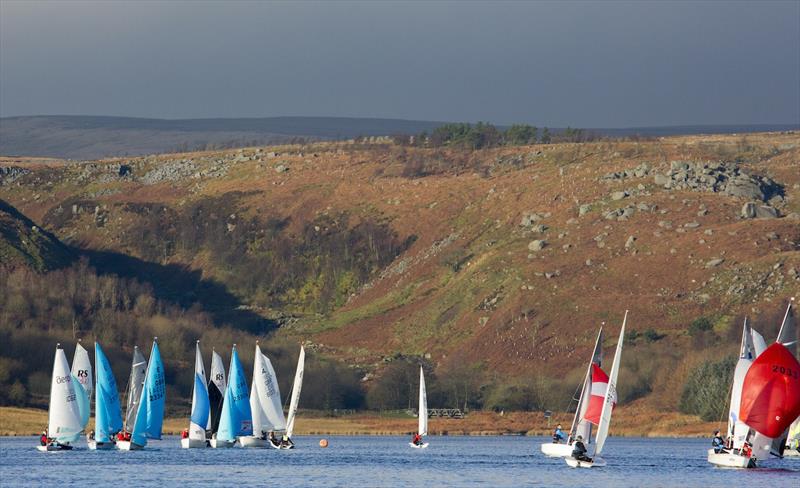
(281, 446)
(55, 448)
(551, 449)
(193, 443)
(218, 444)
(730, 460)
(252, 442)
(99, 446)
(595, 463)
(418, 446)
(792, 453)
(128, 446)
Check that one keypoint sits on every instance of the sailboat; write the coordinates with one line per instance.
(64, 417)
(765, 399)
(107, 412)
(150, 410)
(82, 373)
(581, 425)
(422, 414)
(265, 402)
(609, 398)
(297, 386)
(134, 391)
(200, 420)
(235, 420)
(216, 392)
(793, 440)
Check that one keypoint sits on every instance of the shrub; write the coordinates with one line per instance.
(705, 392)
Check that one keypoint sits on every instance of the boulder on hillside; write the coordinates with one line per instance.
(752, 210)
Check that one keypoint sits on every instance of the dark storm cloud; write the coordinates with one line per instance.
(590, 64)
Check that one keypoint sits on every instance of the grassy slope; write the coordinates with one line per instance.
(425, 304)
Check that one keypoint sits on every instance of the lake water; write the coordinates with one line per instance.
(384, 461)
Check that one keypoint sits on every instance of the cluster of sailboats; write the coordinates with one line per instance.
(764, 413)
(225, 412)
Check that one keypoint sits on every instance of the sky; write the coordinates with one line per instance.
(578, 63)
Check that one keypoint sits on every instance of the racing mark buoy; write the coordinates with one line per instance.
(323, 443)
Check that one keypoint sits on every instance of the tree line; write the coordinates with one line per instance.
(485, 135)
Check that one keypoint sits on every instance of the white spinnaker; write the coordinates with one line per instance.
(82, 369)
(64, 422)
(611, 394)
(422, 415)
(747, 354)
(297, 386)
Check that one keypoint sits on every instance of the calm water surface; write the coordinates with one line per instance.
(384, 461)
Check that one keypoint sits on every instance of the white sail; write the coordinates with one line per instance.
(200, 418)
(611, 394)
(82, 369)
(65, 423)
(748, 352)
(296, 387)
(265, 396)
(422, 415)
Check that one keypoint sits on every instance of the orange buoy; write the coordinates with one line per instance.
(323, 443)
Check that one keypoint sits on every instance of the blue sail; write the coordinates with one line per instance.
(200, 406)
(236, 419)
(82, 398)
(151, 406)
(108, 414)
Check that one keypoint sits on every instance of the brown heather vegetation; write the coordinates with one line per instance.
(382, 257)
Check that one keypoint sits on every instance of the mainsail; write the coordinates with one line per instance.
(611, 394)
(581, 426)
(236, 417)
(199, 420)
(82, 373)
(297, 386)
(150, 415)
(134, 390)
(265, 396)
(64, 423)
(748, 351)
(422, 415)
(216, 390)
(108, 416)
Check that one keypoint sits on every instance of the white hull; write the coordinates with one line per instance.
(418, 446)
(193, 443)
(730, 460)
(102, 446)
(791, 453)
(128, 446)
(595, 463)
(551, 449)
(218, 444)
(281, 447)
(53, 448)
(250, 441)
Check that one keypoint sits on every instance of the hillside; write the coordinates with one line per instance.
(493, 267)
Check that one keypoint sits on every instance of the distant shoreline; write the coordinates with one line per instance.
(18, 422)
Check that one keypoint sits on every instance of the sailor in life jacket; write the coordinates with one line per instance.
(718, 443)
(558, 435)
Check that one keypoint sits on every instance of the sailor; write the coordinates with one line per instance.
(417, 440)
(272, 439)
(579, 450)
(558, 435)
(90, 436)
(263, 435)
(718, 443)
(747, 450)
(43, 439)
(185, 434)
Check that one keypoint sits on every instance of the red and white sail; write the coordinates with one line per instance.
(598, 396)
(771, 394)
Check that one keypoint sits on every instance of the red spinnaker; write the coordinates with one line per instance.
(598, 396)
(771, 391)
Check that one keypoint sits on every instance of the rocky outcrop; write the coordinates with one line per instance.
(724, 178)
(752, 210)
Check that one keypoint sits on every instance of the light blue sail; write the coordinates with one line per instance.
(108, 413)
(236, 419)
(151, 406)
(200, 406)
(82, 399)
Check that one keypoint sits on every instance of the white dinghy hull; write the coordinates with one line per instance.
(100, 446)
(55, 448)
(594, 463)
(128, 446)
(551, 449)
(217, 444)
(792, 453)
(252, 442)
(193, 443)
(418, 446)
(730, 460)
